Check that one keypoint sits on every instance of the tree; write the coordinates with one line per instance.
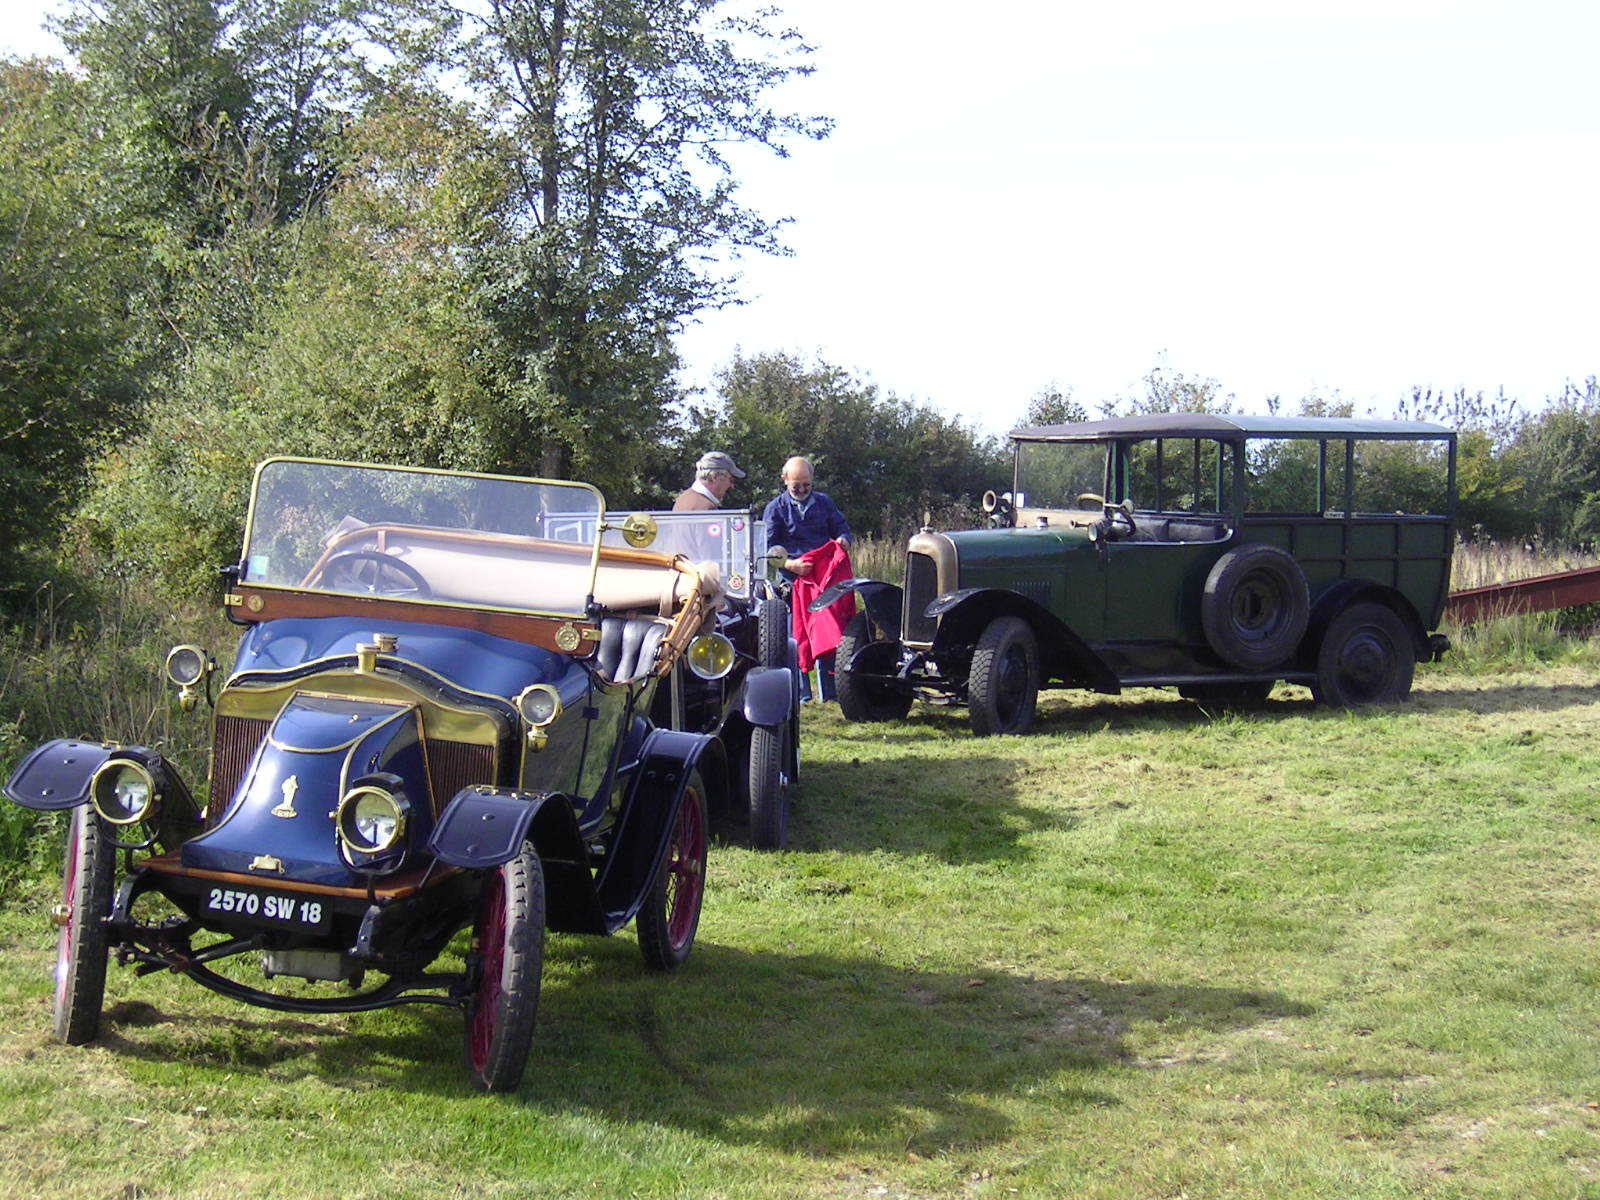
(886, 461)
(613, 116)
(1052, 406)
(68, 366)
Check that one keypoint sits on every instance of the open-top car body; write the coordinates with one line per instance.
(754, 708)
(1215, 553)
(437, 720)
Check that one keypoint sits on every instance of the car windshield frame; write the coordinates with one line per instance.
(535, 521)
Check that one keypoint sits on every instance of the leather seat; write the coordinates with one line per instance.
(628, 647)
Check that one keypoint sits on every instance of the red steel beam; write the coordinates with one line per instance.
(1542, 593)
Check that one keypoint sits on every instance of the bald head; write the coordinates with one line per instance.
(797, 477)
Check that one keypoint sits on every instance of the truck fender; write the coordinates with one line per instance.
(57, 776)
(882, 600)
(484, 827)
(962, 616)
(1355, 591)
(644, 824)
(768, 696)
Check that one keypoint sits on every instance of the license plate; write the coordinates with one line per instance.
(276, 910)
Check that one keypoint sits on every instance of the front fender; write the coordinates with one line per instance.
(883, 602)
(57, 775)
(645, 823)
(769, 694)
(962, 616)
(484, 827)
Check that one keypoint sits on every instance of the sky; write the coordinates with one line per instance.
(1288, 198)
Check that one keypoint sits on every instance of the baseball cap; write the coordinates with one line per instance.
(716, 460)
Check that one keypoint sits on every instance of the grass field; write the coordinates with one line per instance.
(1151, 951)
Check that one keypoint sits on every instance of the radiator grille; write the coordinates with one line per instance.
(455, 765)
(235, 745)
(922, 586)
(451, 765)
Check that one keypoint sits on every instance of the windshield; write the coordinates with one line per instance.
(734, 539)
(1056, 474)
(408, 534)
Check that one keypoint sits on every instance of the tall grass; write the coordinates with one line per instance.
(87, 662)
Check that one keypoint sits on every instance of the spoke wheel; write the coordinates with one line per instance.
(82, 946)
(508, 946)
(670, 914)
(1003, 684)
(1366, 657)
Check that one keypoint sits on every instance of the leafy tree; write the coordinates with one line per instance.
(67, 367)
(613, 117)
(1052, 406)
(886, 461)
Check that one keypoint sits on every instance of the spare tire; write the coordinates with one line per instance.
(1255, 606)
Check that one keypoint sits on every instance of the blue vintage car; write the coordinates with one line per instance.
(438, 720)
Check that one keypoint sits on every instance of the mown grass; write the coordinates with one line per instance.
(1151, 951)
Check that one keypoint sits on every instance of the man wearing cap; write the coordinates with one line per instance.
(713, 479)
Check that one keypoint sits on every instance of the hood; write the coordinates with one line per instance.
(280, 821)
(477, 662)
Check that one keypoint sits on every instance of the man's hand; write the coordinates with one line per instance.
(796, 567)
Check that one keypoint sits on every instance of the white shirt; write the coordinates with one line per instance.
(699, 485)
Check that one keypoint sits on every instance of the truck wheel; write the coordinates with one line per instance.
(772, 621)
(82, 947)
(866, 699)
(1255, 606)
(1003, 684)
(670, 914)
(508, 942)
(1366, 657)
(769, 787)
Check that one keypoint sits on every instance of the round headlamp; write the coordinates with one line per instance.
(371, 819)
(539, 704)
(186, 665)
(122, 792)
(710, 656)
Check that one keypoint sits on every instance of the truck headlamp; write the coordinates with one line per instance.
(371, 819)
(710, 656)
(539, 704)
(122, 792)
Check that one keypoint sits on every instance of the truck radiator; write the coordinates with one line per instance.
(451, 765)
(922, 587)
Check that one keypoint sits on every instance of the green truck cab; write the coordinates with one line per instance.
(1213, 553)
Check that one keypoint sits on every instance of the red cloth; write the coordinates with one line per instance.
(818, 633)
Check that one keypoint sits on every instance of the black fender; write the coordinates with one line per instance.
(767, 695)
(645, 822)
(882, 600)
(484, 827)
(57, 775)
(1357, 591)
(962, 616)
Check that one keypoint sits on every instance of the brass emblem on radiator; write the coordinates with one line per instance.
(266, 862)
(568, 638)
(286, 810)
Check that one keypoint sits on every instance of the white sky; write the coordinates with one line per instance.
(1286, 197)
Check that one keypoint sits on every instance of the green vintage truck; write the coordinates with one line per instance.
(1211, 552)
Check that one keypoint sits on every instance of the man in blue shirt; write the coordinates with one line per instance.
(799, 521)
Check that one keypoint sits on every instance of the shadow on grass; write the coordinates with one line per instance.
(960, 810)
(805, 1053)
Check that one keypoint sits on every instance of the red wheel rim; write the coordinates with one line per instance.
(686, 871)
(490, 936)
(69, 885)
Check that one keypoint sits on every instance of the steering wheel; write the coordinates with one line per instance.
(1090, 500)
(1122, 513)
(345, 573)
